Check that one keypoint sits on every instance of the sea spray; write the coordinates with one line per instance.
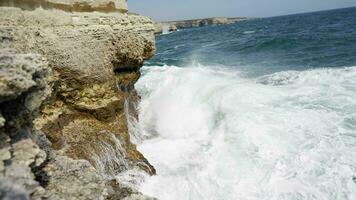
(229, 114)
(132, 121)
(214, 134)
(110, 157)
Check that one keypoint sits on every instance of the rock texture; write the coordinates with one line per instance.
(22, 89)
(66, 91)
(172, 26)
(70, 5)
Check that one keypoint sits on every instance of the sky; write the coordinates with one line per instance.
(165, 10)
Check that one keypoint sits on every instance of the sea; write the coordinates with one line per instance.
(262, 109)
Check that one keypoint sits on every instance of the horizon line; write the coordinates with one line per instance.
(248, 17)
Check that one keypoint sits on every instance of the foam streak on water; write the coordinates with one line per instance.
(212, 134)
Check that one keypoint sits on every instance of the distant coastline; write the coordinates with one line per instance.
(172, 26)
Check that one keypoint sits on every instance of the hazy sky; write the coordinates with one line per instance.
(162, 10)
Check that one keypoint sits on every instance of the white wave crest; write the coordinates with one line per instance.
(212, 134)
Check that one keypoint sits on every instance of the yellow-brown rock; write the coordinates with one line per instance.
(94, 59)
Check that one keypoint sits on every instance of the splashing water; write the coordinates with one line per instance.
(111, 157)
(214, 134)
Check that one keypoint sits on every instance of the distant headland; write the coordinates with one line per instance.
(171, 26)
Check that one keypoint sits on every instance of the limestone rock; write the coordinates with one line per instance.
(26, 152)
(16, 73)
(26, 171)
(71, 5)
(96, 58)
(122, 191)
(173, 28)
(138, 197)
(158, 28)
(74, 179)
(183, 24)
(4, 151)
(84, 181)
(23, 88)
(11, 191)
(67, 89)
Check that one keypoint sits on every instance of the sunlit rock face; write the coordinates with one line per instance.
(172, 26)
(67, 78)
(70, 5)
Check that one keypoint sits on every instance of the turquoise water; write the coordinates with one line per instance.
(263, 109)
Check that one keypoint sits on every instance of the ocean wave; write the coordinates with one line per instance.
(313, 76)
(220, 135)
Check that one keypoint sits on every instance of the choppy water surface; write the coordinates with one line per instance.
(264, 109)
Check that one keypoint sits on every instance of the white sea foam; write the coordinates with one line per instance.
(212, 134)
(249, 32)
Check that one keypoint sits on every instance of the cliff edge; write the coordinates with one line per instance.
(171, 26)
(70, 5)
(67, 75)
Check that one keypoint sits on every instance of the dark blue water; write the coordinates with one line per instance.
(258, 46)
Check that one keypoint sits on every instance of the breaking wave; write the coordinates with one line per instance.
(214, 134)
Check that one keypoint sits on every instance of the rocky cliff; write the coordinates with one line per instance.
(70, 5)
(183, 24)
(67, 78)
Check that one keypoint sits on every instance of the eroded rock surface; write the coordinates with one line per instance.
(22, 89)
(70, 5)
(66, 89)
